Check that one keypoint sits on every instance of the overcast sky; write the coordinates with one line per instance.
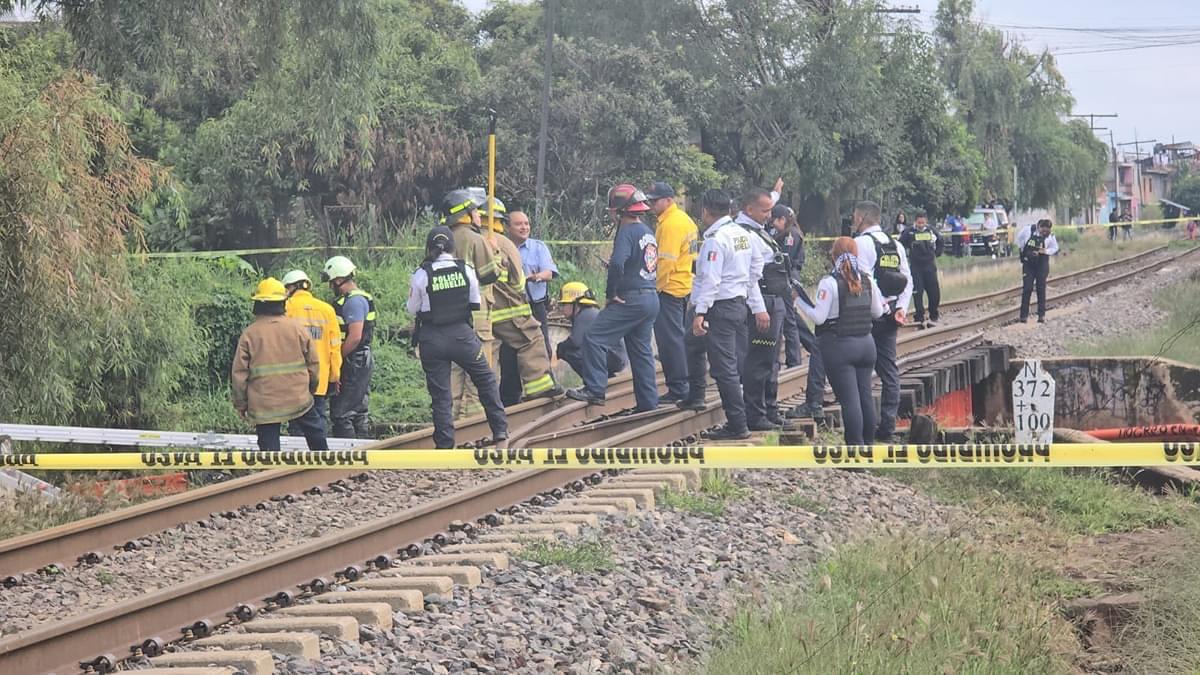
(1155, 91)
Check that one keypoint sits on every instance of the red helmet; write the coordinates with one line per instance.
(627, 198)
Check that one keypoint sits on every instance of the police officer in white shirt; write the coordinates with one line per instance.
(725, 286)
(442, 294)
(847, 302)
(760, 365)
(881, 256)
(1036, 245)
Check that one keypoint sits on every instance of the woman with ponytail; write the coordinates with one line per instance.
(846, 304)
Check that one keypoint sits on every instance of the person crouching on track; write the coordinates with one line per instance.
(847, 303)
(632, 304)
(442, 295)
(578, 304)
(275, 370)
(1036, 245)
(924, 246)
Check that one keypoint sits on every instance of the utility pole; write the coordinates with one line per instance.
(1091, 118)
(544, 130)
(1137, 156)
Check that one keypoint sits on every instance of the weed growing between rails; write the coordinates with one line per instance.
(587, 556)
(717, 489)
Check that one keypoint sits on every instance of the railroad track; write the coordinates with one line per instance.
(206, 601)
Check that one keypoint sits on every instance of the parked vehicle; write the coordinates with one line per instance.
(984, 241)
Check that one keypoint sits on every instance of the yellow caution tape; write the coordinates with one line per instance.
(1003, 230)
(720, 457)
(310, 249)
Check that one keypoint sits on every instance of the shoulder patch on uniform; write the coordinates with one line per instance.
(712, 255)
(822, 294)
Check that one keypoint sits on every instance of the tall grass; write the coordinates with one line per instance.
(1176, 338)
(909, 604)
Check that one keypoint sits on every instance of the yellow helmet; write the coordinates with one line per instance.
(270, 290)
(499, 215)
(577, 292)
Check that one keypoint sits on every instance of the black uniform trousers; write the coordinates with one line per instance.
(884, 332)
(541, 312)
(510, 376)
(1033, 274)
(348, 408)
(669, 330)
(722, 347)
(439, 346)
(849, 361)
(760, 376)
(797, 334)
(925, 282)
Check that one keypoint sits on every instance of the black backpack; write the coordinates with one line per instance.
(891, 280)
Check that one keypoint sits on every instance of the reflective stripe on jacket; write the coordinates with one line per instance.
(508, 293)
(320, 319)
(275, 370)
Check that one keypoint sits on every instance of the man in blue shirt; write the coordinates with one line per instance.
(539, 268)
(632, 304)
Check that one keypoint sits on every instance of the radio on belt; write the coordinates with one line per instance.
(1033, 404)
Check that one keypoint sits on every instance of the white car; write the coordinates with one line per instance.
(992, 241)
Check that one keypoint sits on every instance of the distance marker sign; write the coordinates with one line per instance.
(1033, 404)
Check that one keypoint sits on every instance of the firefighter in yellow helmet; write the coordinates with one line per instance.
(275, 370)
(578, 303)
(355, 311)
(527, 375)
(320, 319)
(460, 212)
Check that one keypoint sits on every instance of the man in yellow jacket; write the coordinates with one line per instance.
(677, 243)
(320, 319)
(275, 370)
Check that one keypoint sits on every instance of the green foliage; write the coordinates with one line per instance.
(587, 556)
(1174, 338)
(1186, 189)
(1083, 502)
(717, 489)
(913, 604)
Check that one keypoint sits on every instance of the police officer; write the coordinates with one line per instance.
(442, 295)
(356, 320)
(460, 212)
(924, 246)
(881, 256)
(578, 303)
(513, 325)
(760, 372)
(1036, 245)
(725, 286)
(847, 302)
(632, 304)
(796, 332)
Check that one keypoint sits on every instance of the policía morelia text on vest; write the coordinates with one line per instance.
(449, 294)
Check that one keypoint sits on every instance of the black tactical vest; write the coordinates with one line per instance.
(1031, 246)
(774, 279)
(368, 331)
(449, 294)
(924, 246)
(887, 267)
(854, 311)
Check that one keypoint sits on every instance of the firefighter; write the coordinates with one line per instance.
(275, 369)
(320, 319)
(924, 245)
(578, 303)
(1036, 245)
(460, 212)
(760, 372)
(886, 261)
(355, 311)
(513, 326)
(443, 293)
(632, 304)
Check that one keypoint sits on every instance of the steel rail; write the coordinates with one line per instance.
(64, 544)
(1014, 291)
